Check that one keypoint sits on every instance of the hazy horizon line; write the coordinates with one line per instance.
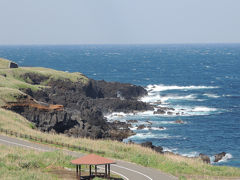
(51, 44)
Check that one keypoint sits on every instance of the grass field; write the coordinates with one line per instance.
(24, 164)
(19, 163)
(12, 81)
(4, 63)
(185, 168)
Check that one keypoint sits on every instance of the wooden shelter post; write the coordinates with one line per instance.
(90, 170)
(109, 171)
(95, 170)
(79, 171)
(105, 171)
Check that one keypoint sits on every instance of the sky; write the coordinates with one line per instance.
(30, 22)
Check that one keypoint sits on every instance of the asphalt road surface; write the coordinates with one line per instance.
(128, 171)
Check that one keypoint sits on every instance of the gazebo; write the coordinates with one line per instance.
(93, 159)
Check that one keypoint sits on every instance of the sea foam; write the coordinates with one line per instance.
(162, 87)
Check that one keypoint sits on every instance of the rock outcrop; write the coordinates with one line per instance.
(13, 65)
(204, 158)
(149, 144)
(77, 109)
(163, 110)
(140, 127)
(179, 121)
(219, 156)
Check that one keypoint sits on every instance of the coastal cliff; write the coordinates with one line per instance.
(68, 103)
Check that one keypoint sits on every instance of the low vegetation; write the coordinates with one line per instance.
(185, 168)
(48, 74)
(19, 163)
(12, 80)
(4, 63)
(9, 95)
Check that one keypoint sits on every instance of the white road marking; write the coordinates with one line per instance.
(133, 171)
(116, 173)
(9, 142)
(100, 167)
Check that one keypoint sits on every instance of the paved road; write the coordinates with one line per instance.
(128, 171)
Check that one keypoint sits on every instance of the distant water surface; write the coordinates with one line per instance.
(201, 82)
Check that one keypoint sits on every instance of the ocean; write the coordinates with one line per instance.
(201, 82)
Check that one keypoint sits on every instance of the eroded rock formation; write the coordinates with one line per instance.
(77, 109)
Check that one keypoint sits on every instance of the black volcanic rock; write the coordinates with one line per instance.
(132, 121)
(163, 110)
(219, 156)
(84, 106)
(149, 144)
(204, 158)
(13, 65)
(179, 121)
(142, 126)
(117, 90)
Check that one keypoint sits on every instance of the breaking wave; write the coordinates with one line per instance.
(162, 87)
(226, 158)
(211, 95)
(149, 135)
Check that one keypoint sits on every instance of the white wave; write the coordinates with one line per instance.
(158, 129)
(116, 116)
(168, 149)
(154, 128)
(190, 154)
(162, 87)
(185, 154)
(176, 111)
(156, 98)
(190, 97)
(151, 135)
(203, 109)
(211, 95)
(226, 157)
(165, 122)
(151, 98)
(154, 93)
(133, 128)
(193, 111)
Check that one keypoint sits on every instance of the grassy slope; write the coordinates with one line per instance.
(4, 63)
(176, 165)
(25, 164)
(11, 80)
(46, 72)
(19, 163)
(9, 95)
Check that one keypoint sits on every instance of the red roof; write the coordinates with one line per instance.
(92, 159)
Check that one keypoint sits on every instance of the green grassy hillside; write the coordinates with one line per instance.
(19, 163)
(173, 164)
(4, 63)
(12, 81)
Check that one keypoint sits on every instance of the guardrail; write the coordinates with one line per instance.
(33, 138)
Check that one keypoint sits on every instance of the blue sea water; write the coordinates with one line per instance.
(201, 82)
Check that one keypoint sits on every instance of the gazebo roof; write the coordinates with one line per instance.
(92, 159)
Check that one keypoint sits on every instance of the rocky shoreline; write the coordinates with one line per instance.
(205, 158)
(83, 106)
(77, 109)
